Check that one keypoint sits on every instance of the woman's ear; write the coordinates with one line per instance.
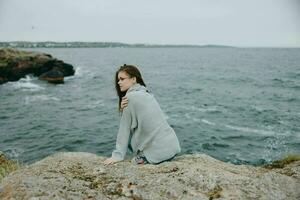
(134, 79)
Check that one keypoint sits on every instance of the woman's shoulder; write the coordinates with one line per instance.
(138, 95)
(134, 94)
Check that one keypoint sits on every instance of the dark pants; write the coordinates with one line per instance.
(140, 153)
(165, 160)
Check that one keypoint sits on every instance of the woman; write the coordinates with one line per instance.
(143, 127)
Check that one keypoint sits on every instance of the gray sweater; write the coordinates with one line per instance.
(144, 127)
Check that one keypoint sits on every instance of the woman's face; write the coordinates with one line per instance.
(125, 82)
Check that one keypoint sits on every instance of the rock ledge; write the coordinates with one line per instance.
(83, 176)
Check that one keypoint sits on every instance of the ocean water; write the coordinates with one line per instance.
(240, 105)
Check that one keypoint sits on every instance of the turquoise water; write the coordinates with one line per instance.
(240, 105)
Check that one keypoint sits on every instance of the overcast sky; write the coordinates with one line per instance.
(270, 23)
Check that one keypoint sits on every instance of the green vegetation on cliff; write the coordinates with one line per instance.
(7, 166)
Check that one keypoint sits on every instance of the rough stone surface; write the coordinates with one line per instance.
(53, 76)
(16, 64)
(197, 176)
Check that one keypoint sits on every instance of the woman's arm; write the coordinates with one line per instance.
(122, 138)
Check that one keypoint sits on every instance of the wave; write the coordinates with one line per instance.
(26, 84)
(234, 137)
(274, 148)
(292, 99)
(96, 104)
(283, 98)
(247, 129)
(78, 72)
(13, 153)
(278, 80)
(37, 98)
(188, 116)
(285, 83)
(297, 87)
(208, 122)
(66, 78)
(213, 146)
(260, 109)
(210, 109)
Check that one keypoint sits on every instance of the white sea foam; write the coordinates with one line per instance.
(208, 109)
(35, 98)
(187, 115)
(258, 108)
(26, 84)
(208, 122)
(13, 153)
(275, 148)
(247, 129)
(69, 78)
(203, 109)
(78, 72)
(96, 104)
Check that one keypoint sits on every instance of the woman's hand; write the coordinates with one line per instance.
(109, 161)
(124, 102)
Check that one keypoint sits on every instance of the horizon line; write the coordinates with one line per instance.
(149, 44)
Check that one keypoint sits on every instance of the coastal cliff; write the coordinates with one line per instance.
(16, 64)
(83, 176)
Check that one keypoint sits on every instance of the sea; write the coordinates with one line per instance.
(238, 105)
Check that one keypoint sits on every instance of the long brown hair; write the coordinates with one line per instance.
(132, 71)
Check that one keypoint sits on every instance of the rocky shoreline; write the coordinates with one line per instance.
(16, 64)
(83, 176)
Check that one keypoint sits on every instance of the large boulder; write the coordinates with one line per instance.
(16, 64)
(53, 76)
(83, 176)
